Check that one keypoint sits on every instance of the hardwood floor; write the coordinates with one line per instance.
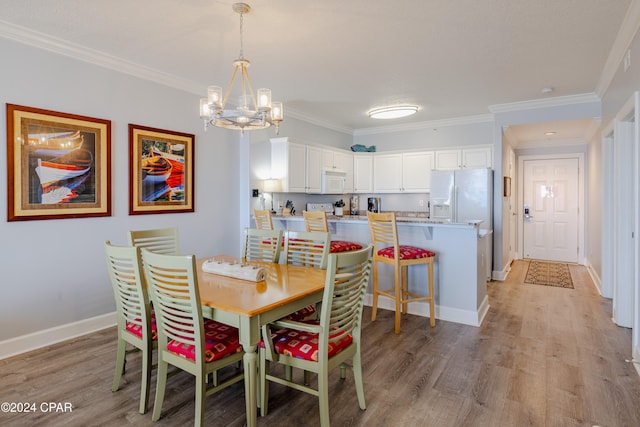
(544, 356)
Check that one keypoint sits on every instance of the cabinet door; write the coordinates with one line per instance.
(477, 157)
(297, 168)
(344, 161)
(314, 169)
(362, 173)
(448, 159)
(387, 173)
(416, 172)
(327, 159)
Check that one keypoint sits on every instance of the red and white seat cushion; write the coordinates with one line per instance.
(220, 341)
(343, 246)
(136, 328)
(304, 345)
(406, 252)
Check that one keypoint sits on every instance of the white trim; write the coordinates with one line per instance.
(36, 340)
(594, 277)
(557, 101)
(501, 275)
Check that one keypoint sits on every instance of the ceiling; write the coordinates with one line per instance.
(331, 61)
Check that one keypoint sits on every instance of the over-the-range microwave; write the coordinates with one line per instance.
(333, 182)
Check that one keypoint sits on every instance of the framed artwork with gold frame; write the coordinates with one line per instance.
(58, 165)
(160, 171)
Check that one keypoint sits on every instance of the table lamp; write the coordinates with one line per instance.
(271, 186)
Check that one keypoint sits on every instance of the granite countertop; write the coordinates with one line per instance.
(401, 216)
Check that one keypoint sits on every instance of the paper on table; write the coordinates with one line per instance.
(237, 271)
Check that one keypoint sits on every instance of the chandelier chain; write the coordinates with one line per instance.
(241, 36)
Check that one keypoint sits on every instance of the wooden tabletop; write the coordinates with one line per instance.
(284, 283)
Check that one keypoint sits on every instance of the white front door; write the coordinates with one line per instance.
(550, 209)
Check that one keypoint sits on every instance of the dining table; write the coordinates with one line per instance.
(249, 305)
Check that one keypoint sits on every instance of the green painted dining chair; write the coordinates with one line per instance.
(186, 341)
(135, 319)
(262, 245)
(307, 248)
(159, 240)
(324, 344)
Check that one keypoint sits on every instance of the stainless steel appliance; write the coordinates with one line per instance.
(319, 207)
(354, 204)
(373, 204)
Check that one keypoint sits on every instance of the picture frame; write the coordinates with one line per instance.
(507, 186)
(58, 165)
(161, 171)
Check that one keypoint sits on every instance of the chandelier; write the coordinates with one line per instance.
(252, 111)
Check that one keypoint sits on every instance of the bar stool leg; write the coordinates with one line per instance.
(432, 304)
(398, 296)
(405, 288)
(374, 307)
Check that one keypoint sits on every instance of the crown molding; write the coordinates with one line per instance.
(102, 59)
(622, 43)
(545, 103)
(314, 121)
(456, 121)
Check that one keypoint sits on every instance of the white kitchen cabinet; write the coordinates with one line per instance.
(298, 166)
(362, 173)
(342, 161)
(408, 172)
(465, 158)
(416, 171)
(314, 169)
(387, 173)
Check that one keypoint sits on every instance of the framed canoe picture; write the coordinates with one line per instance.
(58, 165)
(160, 171)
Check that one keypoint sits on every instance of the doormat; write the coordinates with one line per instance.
(549, 274)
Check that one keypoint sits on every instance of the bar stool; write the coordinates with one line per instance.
(317, 221)
(263, 219)
(384, 236)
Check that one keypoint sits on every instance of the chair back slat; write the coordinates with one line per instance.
(315, 221)
(162, 240)
(263, 219)
(173, 288)
(384, 231)
(262, 245)
(129, 287)
(307, 248)
(346, 284)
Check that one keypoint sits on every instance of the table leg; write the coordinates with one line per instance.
(250, 361)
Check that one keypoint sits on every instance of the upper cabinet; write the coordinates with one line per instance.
(476, 157)
(289, 164)
(387, 173)
(416, 171)
(362, 173)
(408, 172)
(314, 169)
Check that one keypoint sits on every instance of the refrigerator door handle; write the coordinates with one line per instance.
(454, 203)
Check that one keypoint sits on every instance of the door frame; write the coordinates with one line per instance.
(581, 200)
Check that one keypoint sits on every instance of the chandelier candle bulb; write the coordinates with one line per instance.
(264, 99)
(215, 96)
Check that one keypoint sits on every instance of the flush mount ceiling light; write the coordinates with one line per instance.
(394, 112)
(251, 112)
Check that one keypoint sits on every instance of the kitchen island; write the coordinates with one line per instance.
(463, 257)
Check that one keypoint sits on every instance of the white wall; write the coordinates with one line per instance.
(53, 272)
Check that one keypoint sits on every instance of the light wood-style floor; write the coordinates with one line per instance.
(544, 356)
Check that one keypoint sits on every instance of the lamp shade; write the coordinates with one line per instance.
(271, 185)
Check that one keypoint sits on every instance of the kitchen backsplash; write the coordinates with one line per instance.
(414, 202)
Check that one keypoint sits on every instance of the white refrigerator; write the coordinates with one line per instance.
(463, 195)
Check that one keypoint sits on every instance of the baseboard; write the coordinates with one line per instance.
(594, 277)
(36, 340)
(502, 274)
(449, 314)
